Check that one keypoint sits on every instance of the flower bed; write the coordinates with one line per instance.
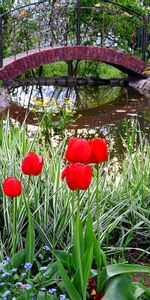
(40, 209)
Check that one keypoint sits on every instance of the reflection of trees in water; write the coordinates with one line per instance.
(85, 97)
(23, 95)
(98, 105)
(95, 96)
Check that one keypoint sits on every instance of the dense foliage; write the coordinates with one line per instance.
(121, 25)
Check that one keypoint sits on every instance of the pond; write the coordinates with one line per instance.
(104, 110)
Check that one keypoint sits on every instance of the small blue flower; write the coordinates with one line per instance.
(6, 261)
(46, 248)
(43, 268)
(27, 266)
(28, 286)
(14, 270)
(18, 283)
(8, 258)
(2, 283)
(2, 270)
(40, 256)
(43, 289)
(24, 274)
(52, 291)
(5, 275)
(6, 293)
(62, 297)
(14, 298)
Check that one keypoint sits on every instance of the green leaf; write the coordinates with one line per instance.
(99, 255)
(79, 234)
(88, 236)
(119, 288)
(19, 259)
(86, 267)
(137, 186)
(64, 257)
(42, 234)
(23, 296)
(139, 290)
(78, 249)
(73, 293)
(30, 241)
(97, 252)
(42, 296)
(50, 276)
(116, 269)
(101, 279)
(89, 239)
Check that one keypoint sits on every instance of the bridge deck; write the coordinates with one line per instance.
(10, 59)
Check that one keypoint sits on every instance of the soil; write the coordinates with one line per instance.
(140, 276)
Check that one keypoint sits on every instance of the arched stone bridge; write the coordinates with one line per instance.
(44, 26)
(23, 62)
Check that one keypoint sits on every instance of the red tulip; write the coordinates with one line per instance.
(99, 152)
(78, 176)
(12, 187)
(78, 150)
(32, 164)
(92, 291)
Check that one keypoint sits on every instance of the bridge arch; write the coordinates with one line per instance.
(125, 62)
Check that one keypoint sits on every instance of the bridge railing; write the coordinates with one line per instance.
(44, 24)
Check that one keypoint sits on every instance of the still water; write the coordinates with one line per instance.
(104, 110)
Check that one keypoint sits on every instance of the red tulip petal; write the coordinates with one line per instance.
(78, 150)
(99, 151)
(27, 166)
(78, 176)
(64, 172)
(69, 146)
(71, 177)
(32, 164)
(12, 187)
(85, 177)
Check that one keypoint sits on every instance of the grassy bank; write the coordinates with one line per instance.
(81, 69)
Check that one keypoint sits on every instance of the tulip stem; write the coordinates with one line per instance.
(14, 221)
(28, 201)
(78, 202)
(89, 202)
(72, 213)
(97, 202)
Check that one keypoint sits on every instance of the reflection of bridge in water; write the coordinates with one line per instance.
(125, 105)
(45, 32)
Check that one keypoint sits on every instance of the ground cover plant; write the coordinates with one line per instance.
(42, 215)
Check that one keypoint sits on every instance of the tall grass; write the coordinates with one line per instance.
(124, 201)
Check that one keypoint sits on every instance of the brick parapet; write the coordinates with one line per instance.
(129, 64)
